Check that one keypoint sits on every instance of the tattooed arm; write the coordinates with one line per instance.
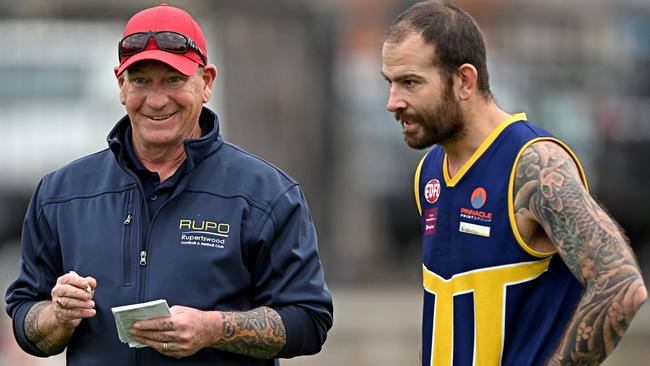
(34, 334)
(549, 192)
(256, 333)
(50, 324)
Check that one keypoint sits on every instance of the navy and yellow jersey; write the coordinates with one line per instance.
(489, 298)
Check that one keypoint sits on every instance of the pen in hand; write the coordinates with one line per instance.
(87, 288)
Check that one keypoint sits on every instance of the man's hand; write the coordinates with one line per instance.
(72, 299)
(182, 334)
(257, 333)
(50, 324)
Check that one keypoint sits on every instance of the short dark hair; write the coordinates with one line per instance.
(454, 35)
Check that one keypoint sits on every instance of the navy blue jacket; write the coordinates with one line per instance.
(236, 234)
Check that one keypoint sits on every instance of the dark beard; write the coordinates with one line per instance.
(441, 124)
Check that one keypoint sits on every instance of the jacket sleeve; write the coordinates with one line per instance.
(38, 266)
(288, 275)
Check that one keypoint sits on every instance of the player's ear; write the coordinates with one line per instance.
(465, 81)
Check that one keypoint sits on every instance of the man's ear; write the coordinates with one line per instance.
(465, 79)
(210, 73)
(121, 79)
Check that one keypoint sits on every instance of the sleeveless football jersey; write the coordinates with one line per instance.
(489, 299)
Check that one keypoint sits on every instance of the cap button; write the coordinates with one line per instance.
(164, 4)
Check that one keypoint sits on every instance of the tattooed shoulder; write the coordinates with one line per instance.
(544, 169)
(545, 166)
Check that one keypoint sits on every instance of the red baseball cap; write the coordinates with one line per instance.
(165, 18)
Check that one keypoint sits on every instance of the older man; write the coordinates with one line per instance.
(169, 211)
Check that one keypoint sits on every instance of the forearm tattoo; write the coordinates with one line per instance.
(257, 333)
(33, 333)
(592, 246)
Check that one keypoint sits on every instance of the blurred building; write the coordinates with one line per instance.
(299, 85)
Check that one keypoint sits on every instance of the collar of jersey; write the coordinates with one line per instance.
(451, 182)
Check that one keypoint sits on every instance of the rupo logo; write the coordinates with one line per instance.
(205, 226)
(203, 233)
(432, 191)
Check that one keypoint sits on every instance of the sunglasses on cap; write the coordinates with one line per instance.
(167, 41)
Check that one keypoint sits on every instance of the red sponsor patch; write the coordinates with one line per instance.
(430, 221)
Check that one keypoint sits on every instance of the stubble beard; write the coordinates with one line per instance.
(440, 124)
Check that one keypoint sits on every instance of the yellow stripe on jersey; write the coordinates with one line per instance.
(416, 183)
(489, 288)
(451, 182)
(511, 189)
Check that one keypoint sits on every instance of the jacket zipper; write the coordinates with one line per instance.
(127, 242)
(152, 221)
(135, 205)
(142, 260)
(142, 247)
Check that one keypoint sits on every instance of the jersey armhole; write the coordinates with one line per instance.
(511, 199)
(416, 183)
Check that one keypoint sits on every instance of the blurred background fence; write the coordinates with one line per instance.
(299, 85)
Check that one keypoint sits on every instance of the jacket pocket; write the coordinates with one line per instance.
(127, 240)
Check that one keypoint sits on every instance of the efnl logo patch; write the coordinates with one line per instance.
(432, 191)
(204, 233)
(430, 220)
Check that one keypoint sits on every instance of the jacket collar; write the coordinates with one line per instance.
(196, 150)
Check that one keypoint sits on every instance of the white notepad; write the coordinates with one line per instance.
(126, 315)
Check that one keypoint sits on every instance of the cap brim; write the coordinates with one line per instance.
(178, 61)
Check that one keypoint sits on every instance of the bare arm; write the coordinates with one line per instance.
(549, 190)
(256, 333)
